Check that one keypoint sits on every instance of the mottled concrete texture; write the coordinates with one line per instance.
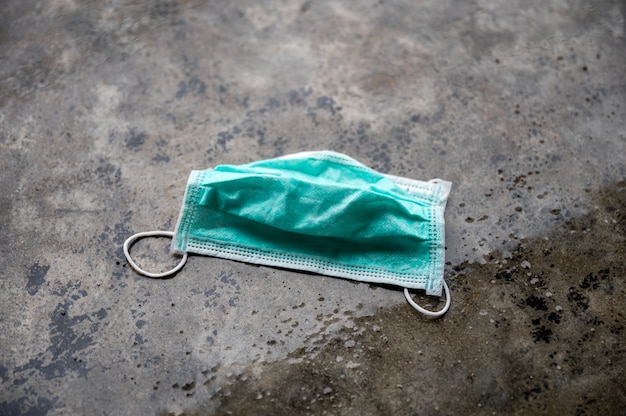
(105, 107)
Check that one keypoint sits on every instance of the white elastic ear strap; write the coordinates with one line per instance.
(407, 295)
(129, 242)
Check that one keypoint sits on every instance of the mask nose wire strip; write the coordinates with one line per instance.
(407, 295)
(129, 242)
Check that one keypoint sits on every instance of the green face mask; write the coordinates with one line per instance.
(322, 212)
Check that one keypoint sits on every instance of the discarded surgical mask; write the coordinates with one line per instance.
(321, 212)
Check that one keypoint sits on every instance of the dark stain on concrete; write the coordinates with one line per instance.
(160, 9)
(161, 158)
(101, 314)
(536, 303)
(139, 340)
(254, 123)
(70, 337)
(114, 238)
(71, 289)
(192, 86)
(27, 406)
(547, 338)
(101, 172)
(36, 278)
(135, 139)
(227, 279)
(327, 103)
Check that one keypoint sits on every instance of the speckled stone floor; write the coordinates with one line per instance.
(105, 108)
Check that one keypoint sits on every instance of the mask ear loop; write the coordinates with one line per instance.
(407, 295)
(129, 242)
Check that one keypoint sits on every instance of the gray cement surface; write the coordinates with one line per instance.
(105, 108)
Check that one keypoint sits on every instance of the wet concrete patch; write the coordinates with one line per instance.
(538, 332)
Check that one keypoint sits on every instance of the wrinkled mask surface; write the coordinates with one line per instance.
(321, 212)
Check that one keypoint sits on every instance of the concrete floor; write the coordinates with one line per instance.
(105, 108)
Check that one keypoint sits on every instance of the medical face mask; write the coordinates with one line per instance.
(321, 212)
